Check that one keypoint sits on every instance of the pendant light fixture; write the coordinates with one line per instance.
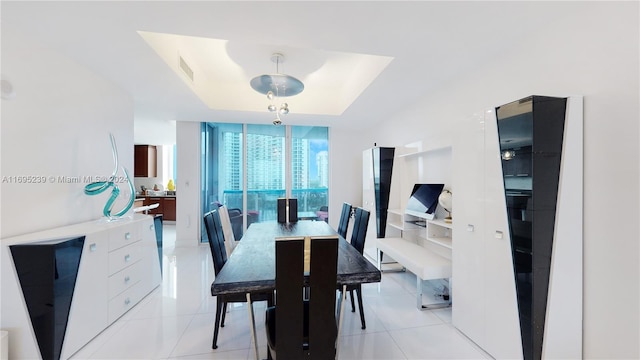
(276, 86)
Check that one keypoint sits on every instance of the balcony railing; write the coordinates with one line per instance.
(264, 202)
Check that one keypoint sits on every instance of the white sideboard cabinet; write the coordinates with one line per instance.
(118, 266)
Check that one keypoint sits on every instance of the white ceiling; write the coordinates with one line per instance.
(428, 43)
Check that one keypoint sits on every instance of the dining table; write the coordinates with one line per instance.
(251, 266)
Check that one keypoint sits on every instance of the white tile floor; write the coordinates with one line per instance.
(176, 321)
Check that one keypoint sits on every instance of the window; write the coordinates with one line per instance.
(278, 161)
(222, 172)
(310, 170)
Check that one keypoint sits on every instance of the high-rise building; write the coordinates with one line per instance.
(231, 159)
(322, 161)
(265, 158)
(299, 163)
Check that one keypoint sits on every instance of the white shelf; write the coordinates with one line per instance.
(399, 226)
(435, 147)
(427, 161)
(442, 241)
(418, 214)
(436, 231)
(441, 222)
(439, 232)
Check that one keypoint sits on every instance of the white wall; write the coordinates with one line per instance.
(595, 54)
(57, 125)
(345, 169)
(188, 209)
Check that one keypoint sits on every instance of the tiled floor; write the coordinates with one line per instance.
(176, 321)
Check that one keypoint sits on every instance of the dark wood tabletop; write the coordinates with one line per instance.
(251, 266)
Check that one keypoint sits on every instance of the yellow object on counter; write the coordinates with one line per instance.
(170, 185)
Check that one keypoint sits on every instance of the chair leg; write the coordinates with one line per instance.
(360, 307)
(224, 314)
(219, 305)
(353, 307)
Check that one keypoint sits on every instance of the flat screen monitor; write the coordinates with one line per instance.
(424, 200)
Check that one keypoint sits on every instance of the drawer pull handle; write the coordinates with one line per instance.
(127, 258)
(127, 301)
(92, 247)
(499, 234)
(127, 236)
(470, 228)
(126, 279)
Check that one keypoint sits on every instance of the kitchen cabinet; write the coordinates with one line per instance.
(169, 208)
(155, 200)
(166, 206)
(138, 202)
(145, 161)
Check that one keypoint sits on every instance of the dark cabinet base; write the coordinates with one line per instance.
(47, 272)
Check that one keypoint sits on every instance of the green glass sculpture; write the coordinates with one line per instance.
(99, 187)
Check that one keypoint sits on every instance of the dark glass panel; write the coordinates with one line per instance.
(531, 132)
(382, 169)
(47, 272)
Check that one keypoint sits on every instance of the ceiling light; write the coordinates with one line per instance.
(508, 155)
(279, 84)
(277, 120)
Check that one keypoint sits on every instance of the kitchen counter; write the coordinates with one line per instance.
(154, 196)
(166, 205)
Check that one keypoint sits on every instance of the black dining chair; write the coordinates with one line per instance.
(345, 215)
(215, 234)
(298, 328)
(358, 237)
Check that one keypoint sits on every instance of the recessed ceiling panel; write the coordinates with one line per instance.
(219, 72)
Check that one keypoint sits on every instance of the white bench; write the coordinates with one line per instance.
(425, 264)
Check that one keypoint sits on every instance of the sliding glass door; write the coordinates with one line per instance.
(265, 171)
(222, 172)
(248, 167)
(310, 171)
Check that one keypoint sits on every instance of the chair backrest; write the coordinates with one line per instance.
(343, 225)
(235, 216)
(359, 233)
(227, 229)
(215, 235)
(289, 324)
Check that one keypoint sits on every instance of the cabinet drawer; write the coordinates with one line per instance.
(124, 257)
(123, 302)
(124, 236)
(124, 279)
